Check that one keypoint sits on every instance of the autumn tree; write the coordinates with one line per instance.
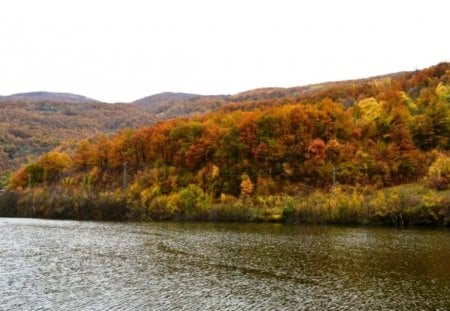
(53, 164)
(246, 185)
(83, 155)
(432, 126)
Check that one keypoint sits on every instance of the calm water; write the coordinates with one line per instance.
(74, 265)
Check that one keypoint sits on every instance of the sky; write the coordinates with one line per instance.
(119, 51)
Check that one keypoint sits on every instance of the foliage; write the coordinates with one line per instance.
(406, 205)
(28, 129)
(398, 206)
(438, 175)
(265, 162)
(8, 204)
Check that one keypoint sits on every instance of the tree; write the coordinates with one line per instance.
(432, 126)
(246, 185)
(403, 156)
(438, 175)
(83, 155)
(101, 152)
(316, 152)
(53, 164)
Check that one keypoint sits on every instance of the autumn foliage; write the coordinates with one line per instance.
(379, 133)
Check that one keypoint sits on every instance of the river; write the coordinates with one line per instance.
(75, 265)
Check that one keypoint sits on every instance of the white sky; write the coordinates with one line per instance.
(124, 50)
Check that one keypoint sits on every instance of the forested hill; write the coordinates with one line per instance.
(42, 96)
(378, 132)
(169, 105)
(31, 127)
(36, 122)
(165, 97)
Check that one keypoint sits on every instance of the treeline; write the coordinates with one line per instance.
(371, 135)
(405, 205)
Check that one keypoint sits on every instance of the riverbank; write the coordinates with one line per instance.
(405, 205)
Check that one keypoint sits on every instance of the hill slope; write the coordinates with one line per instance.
(42, 96)
(29, 128)
(165, 97)
(169, 105)
(36, 122)
(268, 154)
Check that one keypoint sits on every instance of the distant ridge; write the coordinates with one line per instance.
(48, 96)
(164, 98)
(161, 101)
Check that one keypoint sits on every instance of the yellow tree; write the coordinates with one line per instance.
(83, 154)
(53, 164)
(246, 185)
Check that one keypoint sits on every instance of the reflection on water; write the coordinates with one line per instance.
(114, 266)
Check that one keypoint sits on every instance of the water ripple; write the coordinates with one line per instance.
(69, 265)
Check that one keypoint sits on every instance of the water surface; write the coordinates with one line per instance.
(72, 265)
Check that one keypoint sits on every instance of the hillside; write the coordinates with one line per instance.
(32, 127)
(367, 134)
(42, 96)
(163, 98)
(36, 122)
(169, 105)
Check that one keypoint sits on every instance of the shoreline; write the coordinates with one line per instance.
(404, 206)
(222, 222)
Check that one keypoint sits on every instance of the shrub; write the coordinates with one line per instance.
(8, 204)
(193, 202)
(438, 176)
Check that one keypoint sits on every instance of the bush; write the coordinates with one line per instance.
(193, 203)
(438, 176)
(8, 204)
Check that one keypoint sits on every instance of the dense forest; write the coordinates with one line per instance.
(37, 122)
(30, 128)
(365, 151)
